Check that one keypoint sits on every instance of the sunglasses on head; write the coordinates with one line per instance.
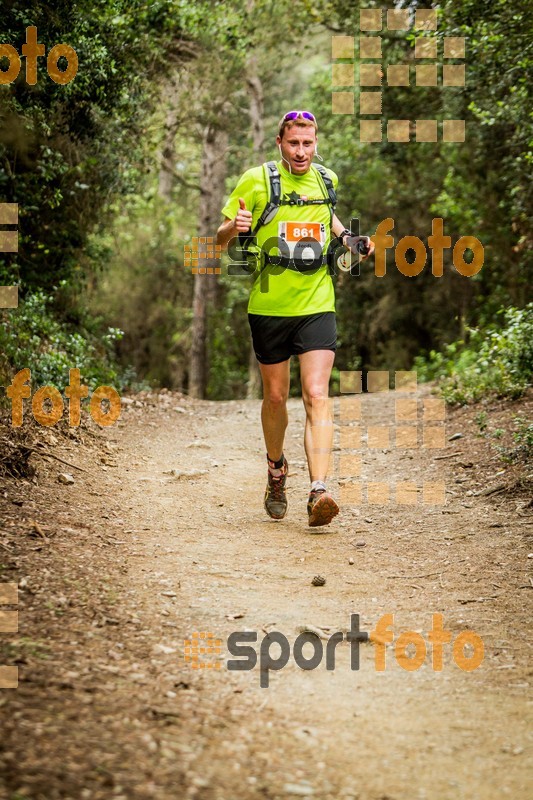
(295, 114)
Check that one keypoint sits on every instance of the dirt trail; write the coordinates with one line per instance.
(136, 559)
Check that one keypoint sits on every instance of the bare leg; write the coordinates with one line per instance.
(315, 371)
(274, 418)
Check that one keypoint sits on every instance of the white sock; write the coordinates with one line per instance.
(317, 485)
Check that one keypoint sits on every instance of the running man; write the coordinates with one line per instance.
(288, 206)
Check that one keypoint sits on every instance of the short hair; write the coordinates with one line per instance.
(300, 122)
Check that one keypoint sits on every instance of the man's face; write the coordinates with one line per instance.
(298, 147)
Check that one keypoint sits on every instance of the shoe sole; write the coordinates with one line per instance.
(323, 511)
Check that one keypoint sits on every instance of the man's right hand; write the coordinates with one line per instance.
(243, 221)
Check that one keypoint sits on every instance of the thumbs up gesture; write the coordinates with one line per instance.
(243, 220)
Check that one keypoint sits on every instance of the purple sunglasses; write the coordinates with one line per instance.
(295, 114)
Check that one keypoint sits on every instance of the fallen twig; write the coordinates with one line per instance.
(410, 577)
(37, 528)
(313, 629)
(464, 601)
(62, 460)
(500, 487)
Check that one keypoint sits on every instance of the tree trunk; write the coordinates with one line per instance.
(212, 188)
(167, 165)
(255, 94)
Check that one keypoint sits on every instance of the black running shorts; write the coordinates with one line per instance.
(276, 339)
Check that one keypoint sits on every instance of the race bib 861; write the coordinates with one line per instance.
(295, 235)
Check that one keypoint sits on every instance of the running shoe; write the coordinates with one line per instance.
(275, 496)
(321, 508)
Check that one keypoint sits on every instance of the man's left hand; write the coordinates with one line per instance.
(351, 243)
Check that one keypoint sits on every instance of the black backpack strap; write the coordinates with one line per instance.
(271, 209)
(273, 179)
(328, 185)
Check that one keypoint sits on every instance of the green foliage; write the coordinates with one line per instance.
(497, 361)
(141, 285)
(481, 420)
(31, 336)
(228, 364)
(481, 187)
(522, 451)
(229, 340)
(67, 150)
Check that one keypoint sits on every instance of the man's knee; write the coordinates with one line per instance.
(316, 402)
(276, 398)
(315, 395)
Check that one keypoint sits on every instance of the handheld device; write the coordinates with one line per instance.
(355, 248)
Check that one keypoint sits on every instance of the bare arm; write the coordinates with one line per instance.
(232, 227)
(336, 225)
(226, 232)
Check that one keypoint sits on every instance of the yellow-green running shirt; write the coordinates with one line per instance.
(290, 293)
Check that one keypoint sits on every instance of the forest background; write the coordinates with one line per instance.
(117, 171)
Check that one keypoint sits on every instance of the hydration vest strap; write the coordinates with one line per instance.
(273, 180)
(328, 184)
(318, 202)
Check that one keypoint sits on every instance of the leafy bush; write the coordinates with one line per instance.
(522, 452)
(30, 336)
(495, 360)
(140, 285)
